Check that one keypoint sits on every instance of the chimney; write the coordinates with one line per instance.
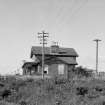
(55, 47)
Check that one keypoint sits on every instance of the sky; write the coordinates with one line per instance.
(71, 23)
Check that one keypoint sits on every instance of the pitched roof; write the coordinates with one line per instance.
(28, 64)
(37, 50)
(68, 60)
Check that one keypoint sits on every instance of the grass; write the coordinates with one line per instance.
(53, 92)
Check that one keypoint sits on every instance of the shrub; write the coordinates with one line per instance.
(30, 80)
(103, 103)
(82, 90)
(6, 93)
(2, 84)
(99, 89)
(23, 103)
(82, 71)
(60, 80)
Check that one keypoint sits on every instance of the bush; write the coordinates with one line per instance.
(2, 84)
(99, 89)
(103, 103)
(60, 80)
(6, 93)
(23, 103)
(82, 71)
(30, 80)
(82, 90)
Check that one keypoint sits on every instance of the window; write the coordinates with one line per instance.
(61, 69)
(46, 69)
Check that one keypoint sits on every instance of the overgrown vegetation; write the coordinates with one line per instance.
(82, 72)
(56, 91)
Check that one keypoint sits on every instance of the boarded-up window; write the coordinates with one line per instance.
(46, 69)
(61, 69)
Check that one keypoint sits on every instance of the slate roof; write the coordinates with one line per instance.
(37, 50)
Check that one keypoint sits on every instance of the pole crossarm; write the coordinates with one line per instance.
(97, 40)
(43, 33)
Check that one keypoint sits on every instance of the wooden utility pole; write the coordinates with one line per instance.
(97, 40)
(43, 35)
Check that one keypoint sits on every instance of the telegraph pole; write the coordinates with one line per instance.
(97, 40)
(43, 35)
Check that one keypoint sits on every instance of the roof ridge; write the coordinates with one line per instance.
(50, 46)
(69, 51)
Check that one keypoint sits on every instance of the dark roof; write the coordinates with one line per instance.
(68, 60)
(37, 50)
(28, 64)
